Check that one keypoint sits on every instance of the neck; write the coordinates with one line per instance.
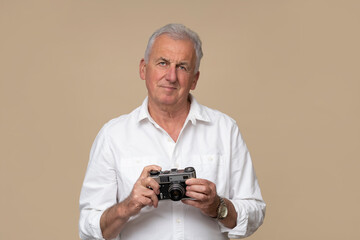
(170, 118)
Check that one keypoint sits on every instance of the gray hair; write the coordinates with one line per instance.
(177, 32)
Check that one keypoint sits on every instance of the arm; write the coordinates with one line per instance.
(100, 213)
(245, 213)
(244, 191)
(246, 208)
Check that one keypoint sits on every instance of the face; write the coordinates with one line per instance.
(169, 73)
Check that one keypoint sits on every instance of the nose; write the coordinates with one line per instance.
(171, 74)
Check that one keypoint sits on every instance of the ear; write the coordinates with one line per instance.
(142, 69)
(196, 78)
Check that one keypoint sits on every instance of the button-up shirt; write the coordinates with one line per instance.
(209, 141)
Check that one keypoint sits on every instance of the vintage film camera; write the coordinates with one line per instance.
(172, 182)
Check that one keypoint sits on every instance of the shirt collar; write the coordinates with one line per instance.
(144, 111)
(197, 112)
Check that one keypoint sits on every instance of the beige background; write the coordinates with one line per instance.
(287, 71)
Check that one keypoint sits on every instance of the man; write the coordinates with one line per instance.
(170, 130)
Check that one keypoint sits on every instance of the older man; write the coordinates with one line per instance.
(119, 198)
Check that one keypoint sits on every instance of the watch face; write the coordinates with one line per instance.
(223, 211)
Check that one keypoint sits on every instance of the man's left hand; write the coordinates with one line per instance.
(203, 194)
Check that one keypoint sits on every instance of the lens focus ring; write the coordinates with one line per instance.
(176, 192)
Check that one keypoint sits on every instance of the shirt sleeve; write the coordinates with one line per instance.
(245, 192)
(99, 188)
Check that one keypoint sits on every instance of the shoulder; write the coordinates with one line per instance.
(217, 117)
(209, 115)
(121, 122)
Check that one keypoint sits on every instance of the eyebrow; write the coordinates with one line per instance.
(183, 63)
(162, 59)
(167, 60)
(186, 64)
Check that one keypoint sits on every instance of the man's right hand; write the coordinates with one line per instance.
(144, 192)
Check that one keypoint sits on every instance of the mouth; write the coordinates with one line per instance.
(169, 87)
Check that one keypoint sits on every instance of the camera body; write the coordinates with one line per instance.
(172, 182)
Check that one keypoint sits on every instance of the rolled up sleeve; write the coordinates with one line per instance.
(99, 188)
(244, 192)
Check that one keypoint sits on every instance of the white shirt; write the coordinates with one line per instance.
(209, 141)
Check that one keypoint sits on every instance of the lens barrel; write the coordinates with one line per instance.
(176, 192)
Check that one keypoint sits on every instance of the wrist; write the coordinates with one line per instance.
(216, 207)
(124, 210)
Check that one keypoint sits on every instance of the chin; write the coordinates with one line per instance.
(168, 103)
(168, 100)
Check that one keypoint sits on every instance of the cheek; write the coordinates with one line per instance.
(149, 85)
(154, 75)
(190, 83)
(193, 85)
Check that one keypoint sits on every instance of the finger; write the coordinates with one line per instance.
(197, 196)
(145, 201)
(154, 200)
(151, 183)
(146, 171)
(145, 196)
(197, 181)
(138, 201)
(151, 197)
(199, 188)
(201, 185)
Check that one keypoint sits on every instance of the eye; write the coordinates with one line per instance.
(162, 63)
(182, 67)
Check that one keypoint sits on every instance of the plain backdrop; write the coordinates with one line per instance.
(286, 71)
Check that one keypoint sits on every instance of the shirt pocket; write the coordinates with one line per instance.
(210, 166)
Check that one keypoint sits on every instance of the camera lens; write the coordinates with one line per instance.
(176, 192)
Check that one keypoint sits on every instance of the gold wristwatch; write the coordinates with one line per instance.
(222, 210)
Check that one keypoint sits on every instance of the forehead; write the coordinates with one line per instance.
(173, 49)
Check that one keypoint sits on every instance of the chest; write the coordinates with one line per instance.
(206, 151)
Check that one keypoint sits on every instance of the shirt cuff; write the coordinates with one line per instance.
(242, 221)
(93, 223)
